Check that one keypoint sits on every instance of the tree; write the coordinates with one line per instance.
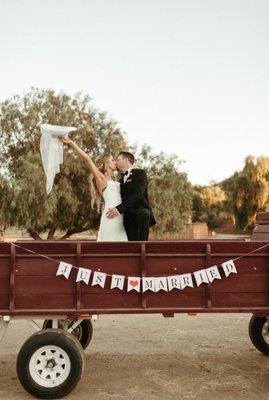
(169, 190)
(209, 204)
(248, 191)
(68, 206)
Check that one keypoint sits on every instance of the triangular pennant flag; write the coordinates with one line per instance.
(185, 280)
(117, 281)
(161, 284)
(229, 267)
(148, 284)
(99, 278)
(83, 275)
(133, 283)
(64, 269)
(213, 273)
(201, 277)
(173, 282)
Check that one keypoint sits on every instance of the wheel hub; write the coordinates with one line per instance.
(49, 366)
(51, 363)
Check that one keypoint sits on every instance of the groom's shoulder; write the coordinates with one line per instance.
(139, 171)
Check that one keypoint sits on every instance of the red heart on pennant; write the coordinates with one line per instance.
(133, 283)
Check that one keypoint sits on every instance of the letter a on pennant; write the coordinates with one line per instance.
(161, 284)
(64, 269)
(229, 267)
(83, 275)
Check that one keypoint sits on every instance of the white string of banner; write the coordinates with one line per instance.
(154, 284)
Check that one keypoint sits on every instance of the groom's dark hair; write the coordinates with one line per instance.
(128, 155)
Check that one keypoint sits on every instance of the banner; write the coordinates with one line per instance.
(144, 284)
(149, 283)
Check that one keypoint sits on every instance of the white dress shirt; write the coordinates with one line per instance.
(128, 174)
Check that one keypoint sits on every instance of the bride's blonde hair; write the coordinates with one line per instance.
(101, 163)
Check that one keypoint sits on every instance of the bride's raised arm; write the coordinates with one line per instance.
(100, 179)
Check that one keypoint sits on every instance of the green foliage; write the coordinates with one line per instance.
(248, 191)
(208, 204)
(67, 207)
(169, 190)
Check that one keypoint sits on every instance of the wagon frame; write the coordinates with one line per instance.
(29, 289)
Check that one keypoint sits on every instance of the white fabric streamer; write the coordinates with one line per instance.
(52, 150)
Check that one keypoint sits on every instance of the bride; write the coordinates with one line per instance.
(104, 189)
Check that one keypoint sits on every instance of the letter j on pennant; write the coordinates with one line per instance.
(64, 269)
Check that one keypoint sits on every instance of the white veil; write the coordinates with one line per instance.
(52, 150)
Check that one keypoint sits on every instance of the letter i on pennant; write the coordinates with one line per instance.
(201, 277)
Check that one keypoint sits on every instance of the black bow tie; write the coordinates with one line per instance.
(124, 173)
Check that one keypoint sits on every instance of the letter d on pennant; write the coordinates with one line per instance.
(229, 267)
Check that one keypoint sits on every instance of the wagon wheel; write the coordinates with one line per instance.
(83, 332)
(50, 364)
(259, 333)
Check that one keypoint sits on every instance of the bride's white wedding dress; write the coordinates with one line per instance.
(112, 229)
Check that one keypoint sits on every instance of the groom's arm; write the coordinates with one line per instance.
(140, 185)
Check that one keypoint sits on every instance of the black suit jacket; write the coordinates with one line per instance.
(134, 194)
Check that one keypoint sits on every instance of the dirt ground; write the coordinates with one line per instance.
(206, 357)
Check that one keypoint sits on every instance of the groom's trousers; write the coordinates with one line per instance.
(137, 224)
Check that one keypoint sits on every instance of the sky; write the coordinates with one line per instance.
(188, 77)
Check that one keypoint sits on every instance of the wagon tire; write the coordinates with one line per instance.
(83, 332)
(259, 333)
(50, 364)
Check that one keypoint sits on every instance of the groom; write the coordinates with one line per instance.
(137, 213)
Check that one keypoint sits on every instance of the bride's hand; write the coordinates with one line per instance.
(65, 139)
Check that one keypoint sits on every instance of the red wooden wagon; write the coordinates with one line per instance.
(50, 362)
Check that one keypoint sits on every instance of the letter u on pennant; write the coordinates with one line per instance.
(83, 275)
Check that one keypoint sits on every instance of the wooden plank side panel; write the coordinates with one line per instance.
(4, 282)
(247, 265)
(187, 298)
(108, 300)
(127, 266)
(237, 300)
(38, 266)
(38, 287)
(163, 266)
(247, 283)
(4, 292)
(46, 302)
